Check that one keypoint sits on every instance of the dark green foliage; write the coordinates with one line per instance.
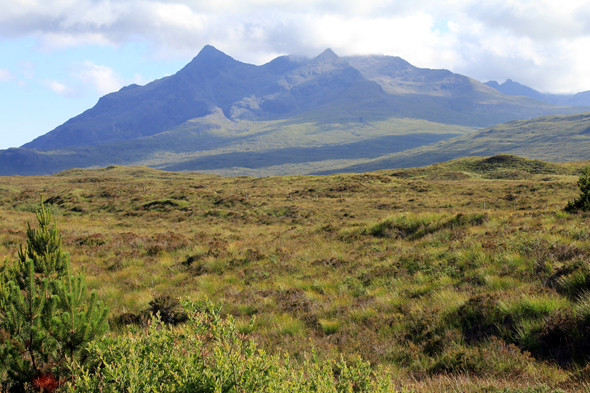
(72, 319)
(583, 201)
(46, 316)
(44, 248)
(25, 350)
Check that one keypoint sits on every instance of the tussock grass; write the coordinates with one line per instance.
(450, 296)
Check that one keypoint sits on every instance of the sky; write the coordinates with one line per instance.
(58, 57)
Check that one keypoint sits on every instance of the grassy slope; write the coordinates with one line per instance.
(260, 148)
(314, 143)
(551, 138)
(390, 265)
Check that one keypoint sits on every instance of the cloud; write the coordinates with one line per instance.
(60, 88)
(538, 42)
(89, 76)
(101, 78)
(6, 75)
(541, 20)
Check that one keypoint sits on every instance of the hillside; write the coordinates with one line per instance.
(287, 116)
(246, 148)
(551, 138)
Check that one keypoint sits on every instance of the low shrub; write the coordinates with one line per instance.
(478, 317)
(208, 354)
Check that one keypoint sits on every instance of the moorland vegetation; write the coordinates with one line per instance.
(463, 276)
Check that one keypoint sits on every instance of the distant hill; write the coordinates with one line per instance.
(549, 138)
(516, 89)
(290, 115)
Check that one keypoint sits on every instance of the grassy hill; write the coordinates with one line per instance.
(461, 276)
(550, 138)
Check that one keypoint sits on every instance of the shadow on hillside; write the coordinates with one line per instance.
(373, 148)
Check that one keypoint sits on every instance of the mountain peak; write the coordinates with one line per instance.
(493, 84)
(328, 54)
(209, 50)
(209, 60)
(211, 54)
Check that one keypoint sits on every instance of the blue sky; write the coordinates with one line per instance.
(57, 57)
(42, 89)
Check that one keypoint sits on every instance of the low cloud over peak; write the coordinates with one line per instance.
(539, 43)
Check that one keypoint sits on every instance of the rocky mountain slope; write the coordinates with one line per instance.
(516, 89)
(290, 115)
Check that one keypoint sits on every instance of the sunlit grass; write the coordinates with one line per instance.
(329, 326)
(533, 306)
(378, 274)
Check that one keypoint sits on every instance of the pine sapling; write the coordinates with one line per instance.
(46, 316)
(44, 247)
(583, 201)
(26, 351)
(72, 319)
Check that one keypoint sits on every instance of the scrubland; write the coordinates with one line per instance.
(462, 276)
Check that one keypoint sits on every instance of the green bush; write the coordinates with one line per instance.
(208, 354)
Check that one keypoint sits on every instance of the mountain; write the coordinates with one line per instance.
(550, 138)
(290, 115)
(212, 79)
(516, 89)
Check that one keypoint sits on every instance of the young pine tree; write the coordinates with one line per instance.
(44, 248)
(583, 201)
(46, 316)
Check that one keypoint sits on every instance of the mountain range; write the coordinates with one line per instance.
(516, 89)
(291, 115)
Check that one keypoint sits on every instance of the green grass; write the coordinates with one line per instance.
(535, 139)
(261, 148)
(448, 297)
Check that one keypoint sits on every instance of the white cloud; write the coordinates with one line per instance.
(6, 75)
(101, 78)
(538, 42)
(138, 79)
(60, 88)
